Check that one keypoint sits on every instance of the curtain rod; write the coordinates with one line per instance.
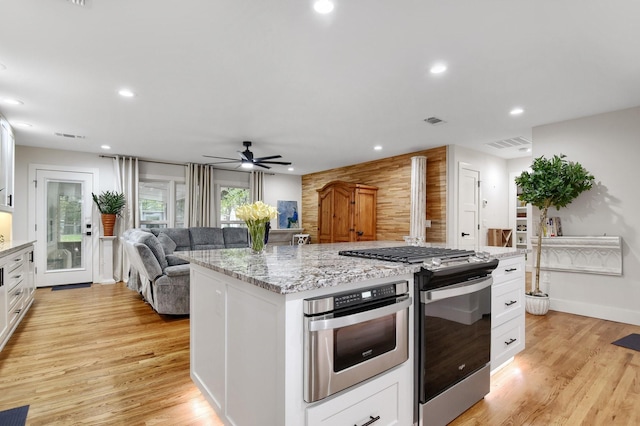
(146, 160)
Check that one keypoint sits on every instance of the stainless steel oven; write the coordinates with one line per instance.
(352, 336)
(452, 339)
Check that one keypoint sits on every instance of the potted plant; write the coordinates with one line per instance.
(552, 182)
(110, 205)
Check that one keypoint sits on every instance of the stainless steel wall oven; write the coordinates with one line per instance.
(352, 336)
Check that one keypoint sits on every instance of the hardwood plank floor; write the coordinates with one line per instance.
(100, 355)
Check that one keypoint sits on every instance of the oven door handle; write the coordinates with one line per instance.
(331, 323)
(459, 290)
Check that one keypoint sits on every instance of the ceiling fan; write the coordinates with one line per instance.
(247, 159)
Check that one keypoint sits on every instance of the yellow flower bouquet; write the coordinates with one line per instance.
(256, 216)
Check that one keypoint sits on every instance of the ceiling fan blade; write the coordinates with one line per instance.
(261, 165)
(222, 158)
(282, 163)
(271, 157)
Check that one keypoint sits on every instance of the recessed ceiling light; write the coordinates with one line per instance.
(105, 147)
(290, 169)
(524, 149)
(12, 102)
(438, 68)
(516, 111)
(377, 148)
(21, 124)
(323, 6)
(126, 93)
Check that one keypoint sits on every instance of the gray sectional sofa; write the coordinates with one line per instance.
(161, 277)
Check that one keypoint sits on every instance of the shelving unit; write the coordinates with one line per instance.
(522, 223)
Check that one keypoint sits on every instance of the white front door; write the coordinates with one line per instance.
(64, 227)
(468, 200)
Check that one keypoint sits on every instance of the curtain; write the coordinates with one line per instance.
(126, 173)
(198, 201)
(256, 186)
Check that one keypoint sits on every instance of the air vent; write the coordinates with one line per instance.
(434, 121)
(68, 135)
(510, 143)
(77, 2)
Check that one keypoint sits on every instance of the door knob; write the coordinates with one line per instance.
(465, 234)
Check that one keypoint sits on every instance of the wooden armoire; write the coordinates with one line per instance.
(346, 212)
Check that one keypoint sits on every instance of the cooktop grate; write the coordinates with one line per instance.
(408, 254)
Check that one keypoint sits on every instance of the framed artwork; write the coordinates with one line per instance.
(288, 214)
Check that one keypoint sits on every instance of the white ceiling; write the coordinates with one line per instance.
(321, 90)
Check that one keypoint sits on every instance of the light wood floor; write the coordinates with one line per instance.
(102, 356)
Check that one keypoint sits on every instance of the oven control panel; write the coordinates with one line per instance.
(363, 296)
(326, 304)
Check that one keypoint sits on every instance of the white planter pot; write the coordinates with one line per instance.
(537, 305)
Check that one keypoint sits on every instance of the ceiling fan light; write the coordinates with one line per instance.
(246, 165)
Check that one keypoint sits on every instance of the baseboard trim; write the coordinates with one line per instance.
(596, 311)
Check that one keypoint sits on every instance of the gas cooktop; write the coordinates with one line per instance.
(408, 254)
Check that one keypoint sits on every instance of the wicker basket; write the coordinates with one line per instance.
(537, 305)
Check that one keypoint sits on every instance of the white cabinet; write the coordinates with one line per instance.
(507, 310)
(17, 289)
(7, 156)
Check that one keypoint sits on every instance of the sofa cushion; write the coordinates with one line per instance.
(235, 237)
(204, 238)
(154, 245)
(176, 271)
(180, 236)
(168, 245)
(174, 260)
(148, 261)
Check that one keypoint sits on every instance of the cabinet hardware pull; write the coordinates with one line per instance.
(511, 269)
(511, 302)
(464, 234)
(510, 341)
(18, 311)
(370, 422)
(17, 277)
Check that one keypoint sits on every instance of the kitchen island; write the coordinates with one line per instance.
(247, 344)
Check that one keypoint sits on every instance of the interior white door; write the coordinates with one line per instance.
(64, 248)
(468, 207)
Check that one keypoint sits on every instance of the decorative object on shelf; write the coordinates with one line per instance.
(256, 216)
(110, 205)
(552, 182)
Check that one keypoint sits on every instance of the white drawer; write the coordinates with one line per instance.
(14, 273)
(387, 397)
(508, 269)
(506, 341)
(507, 302)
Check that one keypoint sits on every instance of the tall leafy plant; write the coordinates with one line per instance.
(109, 202)
(552, 182)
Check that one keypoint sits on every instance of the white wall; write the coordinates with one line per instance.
(608, 146)
(493, 188)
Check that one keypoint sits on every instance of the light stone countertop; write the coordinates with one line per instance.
(292, 269)
(9, 247)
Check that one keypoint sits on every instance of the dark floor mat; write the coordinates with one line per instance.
(631, 341)
(14, 416)
(70, 286)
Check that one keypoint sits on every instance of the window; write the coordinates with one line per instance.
(161, 203)
(230, 198)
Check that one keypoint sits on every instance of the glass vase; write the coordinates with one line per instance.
(256, 236)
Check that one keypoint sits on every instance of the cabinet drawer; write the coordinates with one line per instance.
(508, 269)
(380, 409)
(507, 302)
(506, 341)
(14, 273)
(17, 306)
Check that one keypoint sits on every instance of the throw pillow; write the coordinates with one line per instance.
(167, 243)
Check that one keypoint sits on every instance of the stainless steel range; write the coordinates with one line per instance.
(452, 327)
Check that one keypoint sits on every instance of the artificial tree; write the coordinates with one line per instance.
(552, 182)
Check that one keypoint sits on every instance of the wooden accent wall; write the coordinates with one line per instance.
(392, 176)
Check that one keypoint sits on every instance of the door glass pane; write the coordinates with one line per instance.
(64, 225)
